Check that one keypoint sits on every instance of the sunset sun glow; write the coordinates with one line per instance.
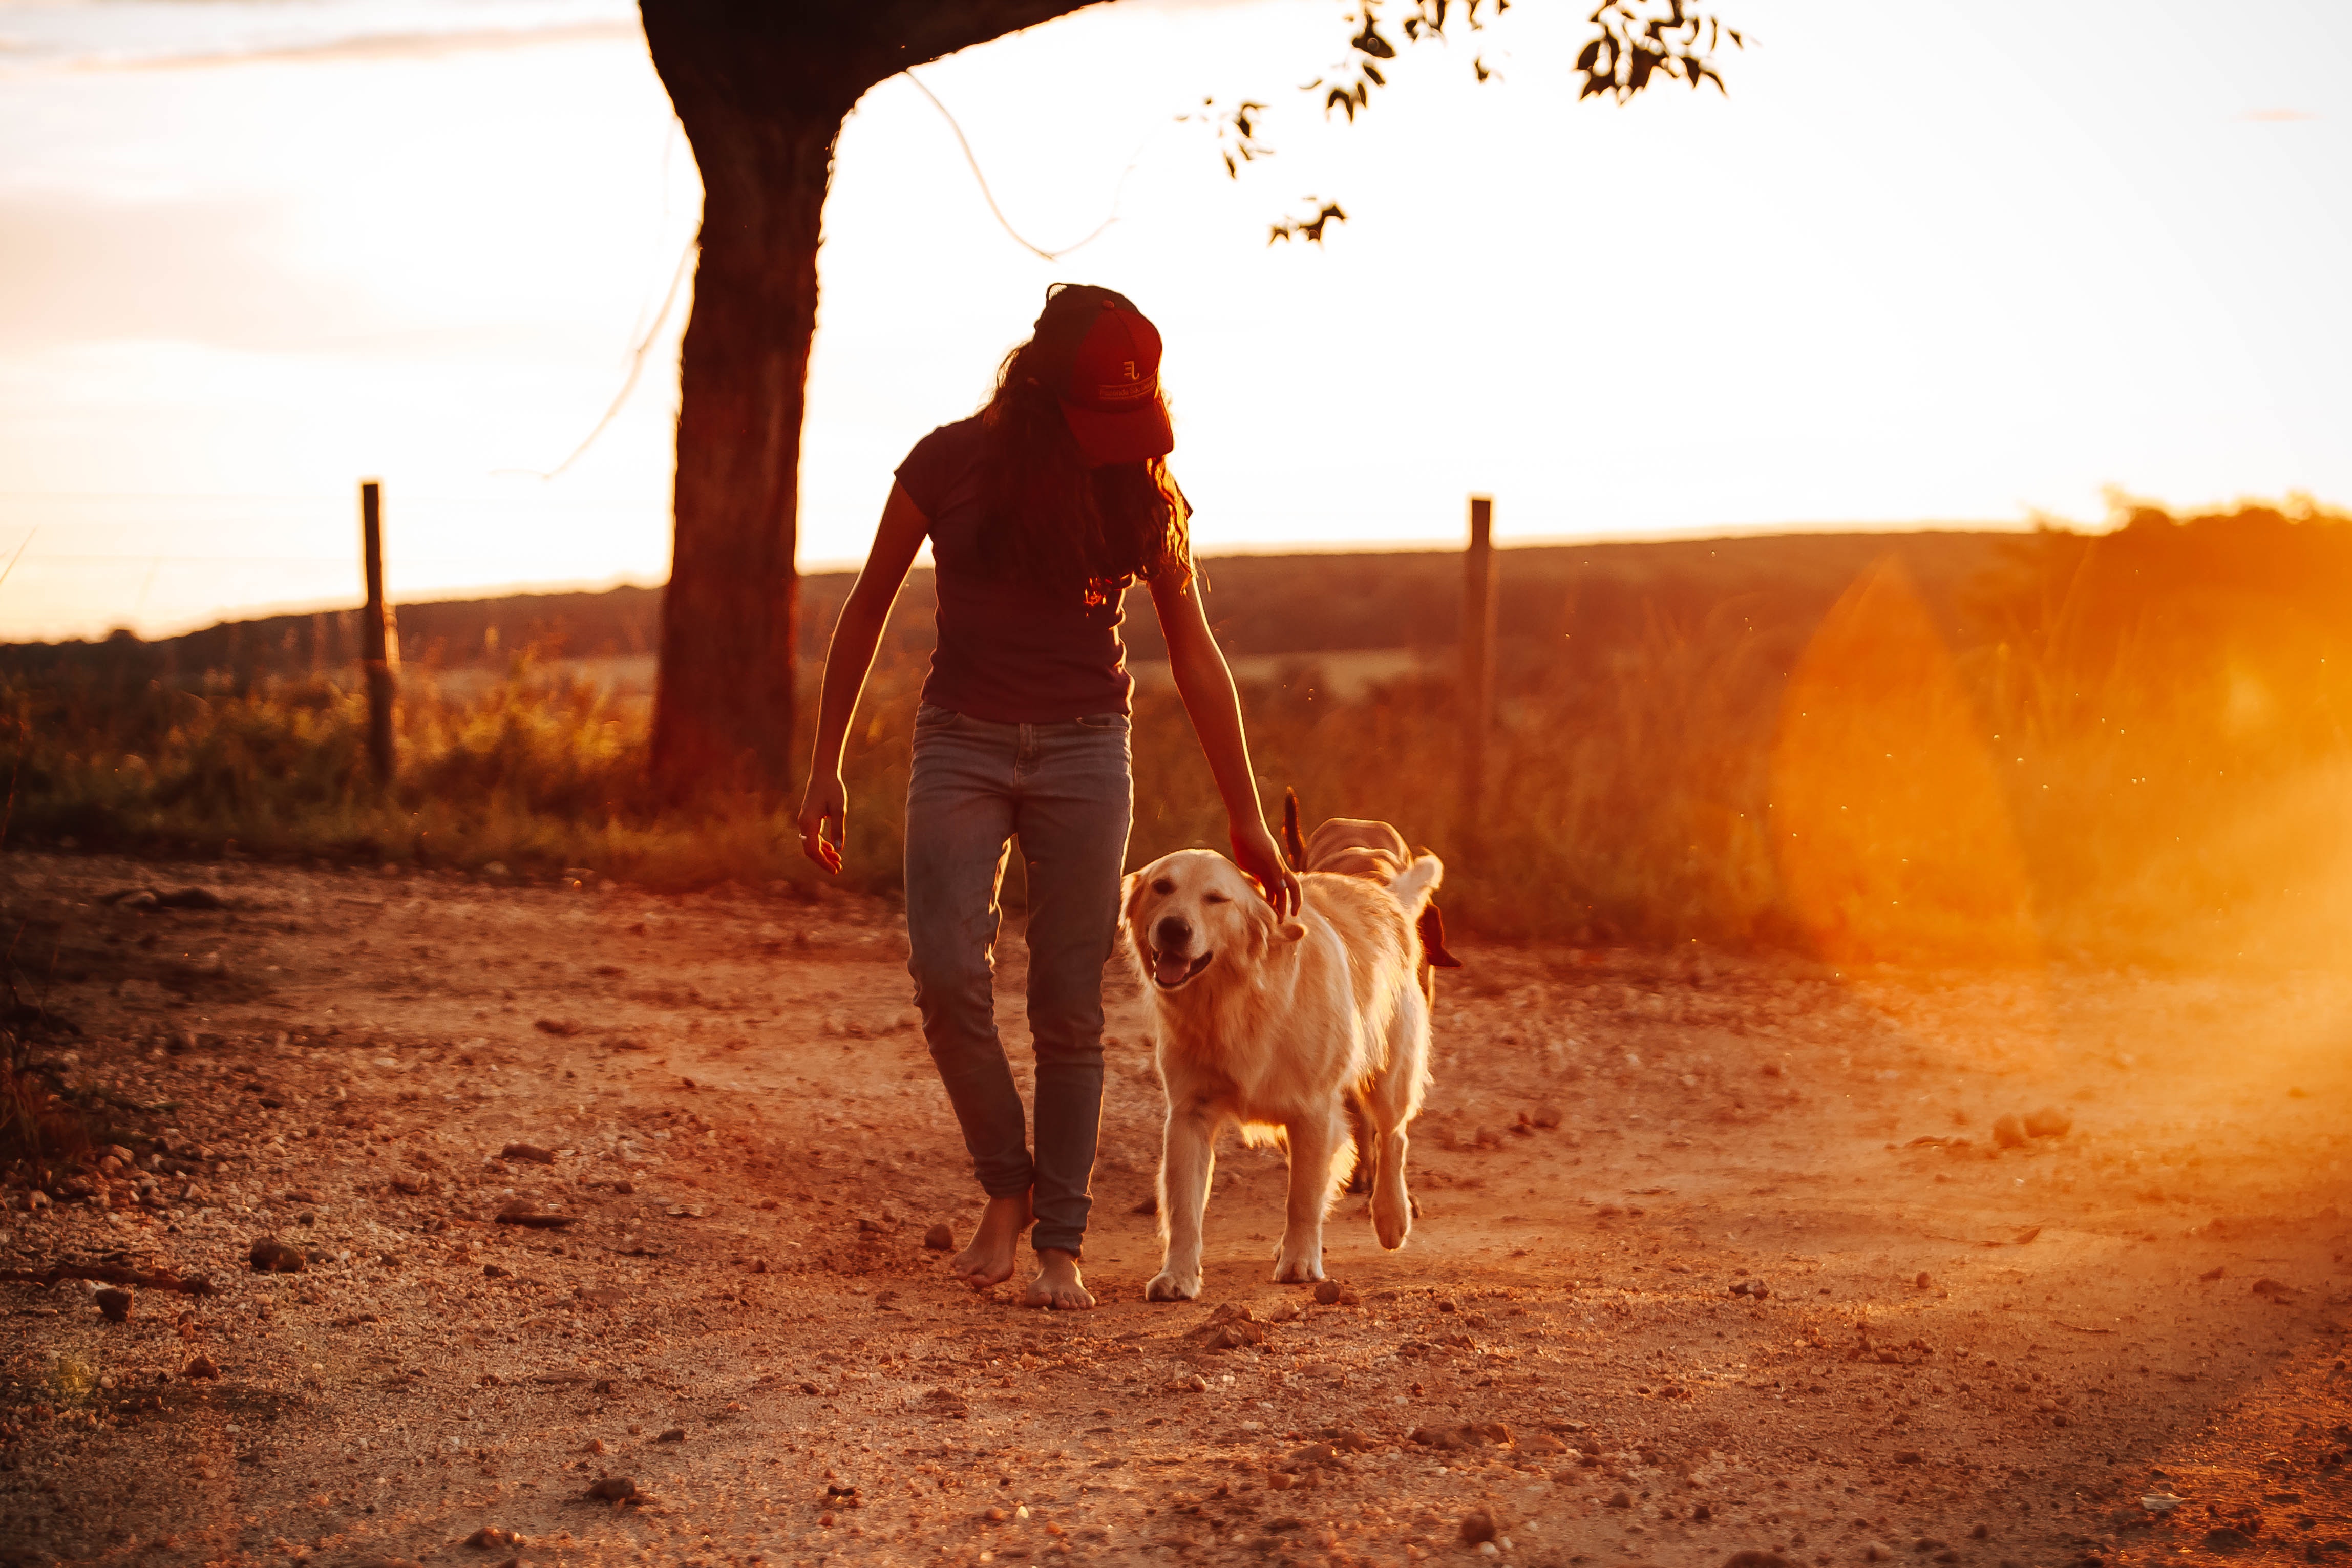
(254, 253)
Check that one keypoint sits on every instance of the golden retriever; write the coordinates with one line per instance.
(1279, 1027)
(1359, 847)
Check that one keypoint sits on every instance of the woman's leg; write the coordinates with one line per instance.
(1076, 803)
(959, 817)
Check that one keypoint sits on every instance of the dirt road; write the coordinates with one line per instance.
(1715, 1255)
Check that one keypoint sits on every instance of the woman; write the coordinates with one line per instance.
(1042, 510)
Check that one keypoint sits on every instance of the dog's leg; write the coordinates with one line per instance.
(1188, 1159)
(1362, 1137)
(1317, 1142)
(1394, 1099)
(1391, 1202)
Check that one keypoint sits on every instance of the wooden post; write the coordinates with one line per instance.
(1478, 611)
(379, 640)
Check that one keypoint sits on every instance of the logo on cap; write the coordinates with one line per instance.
(1112, 401)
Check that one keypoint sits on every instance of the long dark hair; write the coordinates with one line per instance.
(1052, 521)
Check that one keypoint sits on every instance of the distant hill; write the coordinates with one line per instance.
(1570, 602)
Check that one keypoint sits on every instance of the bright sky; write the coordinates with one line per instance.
(1971, 261)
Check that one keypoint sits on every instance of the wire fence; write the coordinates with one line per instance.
(82, 565)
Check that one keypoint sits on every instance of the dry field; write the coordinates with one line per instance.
(1716, 1255)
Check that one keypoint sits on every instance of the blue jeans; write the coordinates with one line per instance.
(1064, 791)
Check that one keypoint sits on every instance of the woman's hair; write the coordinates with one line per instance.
(1051, 518)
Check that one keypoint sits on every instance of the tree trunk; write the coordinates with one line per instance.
(723, 708)
(761, 86)
(724, 711)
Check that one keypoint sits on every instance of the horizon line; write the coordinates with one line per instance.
(1433, 545)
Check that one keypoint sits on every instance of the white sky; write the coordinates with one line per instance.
(1980, 260)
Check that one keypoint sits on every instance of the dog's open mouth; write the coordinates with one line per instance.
(1171, 971)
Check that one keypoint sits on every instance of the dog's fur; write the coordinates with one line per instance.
(1357, 846)
(1282, 1027)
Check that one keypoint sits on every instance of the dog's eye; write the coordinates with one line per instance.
(1214, 898)
(1164, 885)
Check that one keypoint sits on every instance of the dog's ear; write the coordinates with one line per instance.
(1267, 928)
(1130, 897)
(1289, 929)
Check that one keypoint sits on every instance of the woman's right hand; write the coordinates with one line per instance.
(826, 802)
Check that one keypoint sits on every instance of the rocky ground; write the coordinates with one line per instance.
(1716, 1255)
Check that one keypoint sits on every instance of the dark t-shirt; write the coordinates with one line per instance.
(1009, 652)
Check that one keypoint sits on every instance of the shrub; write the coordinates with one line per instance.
(2135, 742)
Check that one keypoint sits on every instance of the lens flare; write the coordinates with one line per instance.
(1889, 824)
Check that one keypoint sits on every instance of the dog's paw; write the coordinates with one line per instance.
(1392, 1222)
(1302, 1270)
(1168, 1287)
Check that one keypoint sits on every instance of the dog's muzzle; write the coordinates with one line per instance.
(1173, 972)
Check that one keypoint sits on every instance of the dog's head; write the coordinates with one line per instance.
(1186, 910)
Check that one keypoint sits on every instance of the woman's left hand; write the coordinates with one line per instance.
(1256, 852)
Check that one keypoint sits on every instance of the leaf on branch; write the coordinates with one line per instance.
(1309, 229)
(1636, 42)
(1430, 17)
(1633, 43)
(1348, 87)
(1236, 130)
(1350, 99)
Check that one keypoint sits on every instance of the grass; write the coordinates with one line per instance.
(2133, 745)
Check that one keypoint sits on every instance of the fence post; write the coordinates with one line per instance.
(1478, 613)
(379, 640)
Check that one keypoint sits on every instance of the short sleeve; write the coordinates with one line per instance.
(929, 471)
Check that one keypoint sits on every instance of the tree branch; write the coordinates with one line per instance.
(1634, 44)
(821, 54)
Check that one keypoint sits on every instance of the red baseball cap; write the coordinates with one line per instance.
(1111, 395)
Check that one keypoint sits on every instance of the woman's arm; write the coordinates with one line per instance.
(1206, 685)
(846, 661)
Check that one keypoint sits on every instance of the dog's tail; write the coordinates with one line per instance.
(1293, 848)
(1432, 940)
(1415, 884)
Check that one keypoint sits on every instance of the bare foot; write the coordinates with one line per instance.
(1057, 1284)
(996, 1245)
